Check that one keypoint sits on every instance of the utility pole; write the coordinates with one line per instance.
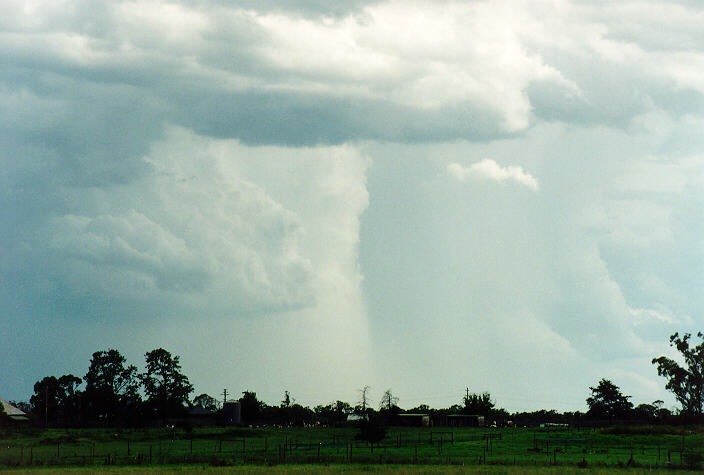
(224, 397)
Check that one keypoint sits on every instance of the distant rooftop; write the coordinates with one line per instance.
(12, 412)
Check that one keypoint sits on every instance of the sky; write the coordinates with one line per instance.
(313, 197)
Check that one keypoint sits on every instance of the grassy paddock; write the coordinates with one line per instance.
(437, 450)
(336, 469)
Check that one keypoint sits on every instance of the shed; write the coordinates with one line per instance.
(465, 420)
(11, 414)
(414, 420)
(232, 413)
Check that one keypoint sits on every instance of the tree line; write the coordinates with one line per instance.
(114, 393)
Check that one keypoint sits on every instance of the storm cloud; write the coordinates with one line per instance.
(370, 193)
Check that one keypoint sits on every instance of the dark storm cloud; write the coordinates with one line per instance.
(139, 182)
(308, 119)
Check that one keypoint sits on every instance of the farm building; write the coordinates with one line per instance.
(10, 415)
(198, 416)
(465, 420)
(414, 420)
(351, 418)
(232, 413)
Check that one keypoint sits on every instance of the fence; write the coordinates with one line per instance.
(413, 445)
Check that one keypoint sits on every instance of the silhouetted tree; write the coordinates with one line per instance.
(388, 401)
(334, 414)
(165, 386)
(363, 406)
(478, 404)
(420, 409)
(686, 383)
(111, 388)
(607, 402)
(70, 399)
(388, 408)
(45, 401)
(205, 401)
(286, 402)
(23, 406)
(250, 407)
(371, 430)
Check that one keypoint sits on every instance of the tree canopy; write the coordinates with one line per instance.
(165, 386)
(478, 404)
(607, 402)
(111, 387)
(685, 382)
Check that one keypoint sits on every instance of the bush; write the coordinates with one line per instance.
(371, 431)
(692, 460)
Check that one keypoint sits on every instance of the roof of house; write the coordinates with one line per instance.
(12, 412)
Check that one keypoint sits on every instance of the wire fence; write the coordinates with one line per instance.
(528, 447)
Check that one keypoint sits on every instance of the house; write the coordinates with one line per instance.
(10, 415)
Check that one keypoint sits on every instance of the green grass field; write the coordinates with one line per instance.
(437, 450)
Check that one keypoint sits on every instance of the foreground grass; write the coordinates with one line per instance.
(331, 450)
(335, 469)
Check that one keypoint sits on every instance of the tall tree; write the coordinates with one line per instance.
(286, 402)
(364, 401)
(686, 383)
(333, 414)
(478, 404)
(250, 407)
(205, 401)
(388, 401)
(70, 398)
(111, 388)
(45, 401)
(607, 402)
(57, 401)
(166, 388)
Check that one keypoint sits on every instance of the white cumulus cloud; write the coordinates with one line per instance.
(490, 170)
